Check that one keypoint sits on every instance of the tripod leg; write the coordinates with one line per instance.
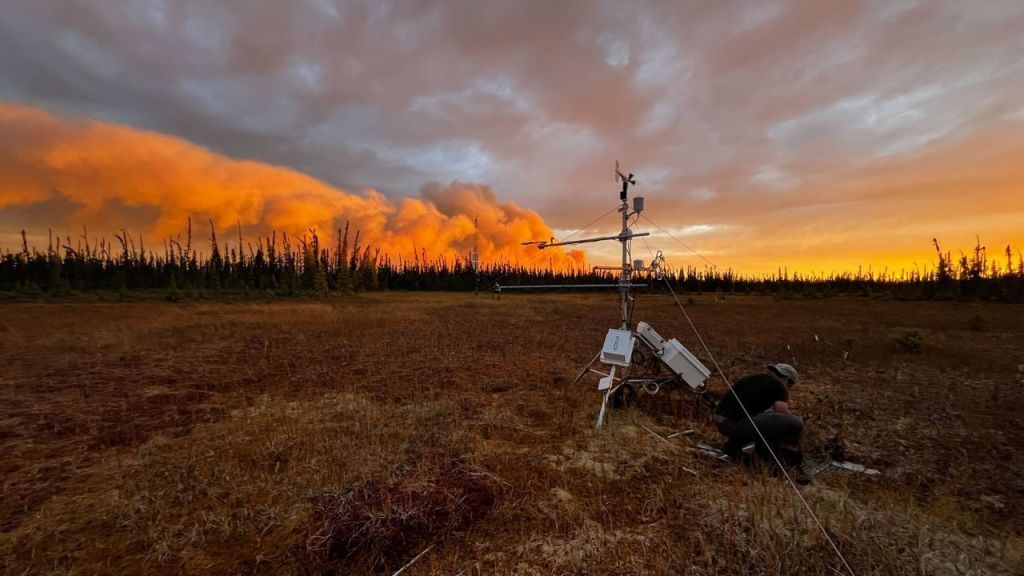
(604, 400)
(585, 368)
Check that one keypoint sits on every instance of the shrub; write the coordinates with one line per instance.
(910, 341)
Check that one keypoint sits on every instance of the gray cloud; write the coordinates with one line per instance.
(729, 112)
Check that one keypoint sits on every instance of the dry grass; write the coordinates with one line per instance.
(347, 436)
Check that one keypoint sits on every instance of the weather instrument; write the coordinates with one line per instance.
(636, 359)
(641, 360)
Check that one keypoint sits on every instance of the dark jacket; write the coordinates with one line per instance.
(758, 392)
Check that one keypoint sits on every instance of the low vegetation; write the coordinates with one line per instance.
(349, 436)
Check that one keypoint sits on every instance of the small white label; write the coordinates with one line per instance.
(604, 383)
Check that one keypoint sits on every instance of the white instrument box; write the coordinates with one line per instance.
(675, 356)
(618, 348)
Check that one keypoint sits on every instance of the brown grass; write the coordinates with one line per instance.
(346, 436)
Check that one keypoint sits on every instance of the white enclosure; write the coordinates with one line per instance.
(618, 348)
(686, 365)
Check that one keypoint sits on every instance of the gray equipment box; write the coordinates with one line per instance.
(674, 355)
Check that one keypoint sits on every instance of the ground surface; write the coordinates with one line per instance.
(347, 436)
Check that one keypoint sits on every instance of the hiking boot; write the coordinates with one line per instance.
(790, 455)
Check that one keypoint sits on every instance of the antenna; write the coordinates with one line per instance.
(626, 351)
(474, 256)
(628, 267)
(638, 356)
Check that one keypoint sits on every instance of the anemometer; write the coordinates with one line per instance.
(636, 357)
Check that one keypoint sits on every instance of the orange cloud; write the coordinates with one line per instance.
(105, 172)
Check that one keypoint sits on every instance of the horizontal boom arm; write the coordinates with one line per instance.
(618, 238)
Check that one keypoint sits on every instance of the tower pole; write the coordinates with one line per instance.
(626, 277)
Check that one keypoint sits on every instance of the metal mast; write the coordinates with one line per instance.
(626, 274)
(618, 346)
(626, 269)
(474, 256)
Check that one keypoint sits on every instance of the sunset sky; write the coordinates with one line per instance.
(814, 135)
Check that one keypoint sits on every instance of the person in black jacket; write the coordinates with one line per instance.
(766, 399)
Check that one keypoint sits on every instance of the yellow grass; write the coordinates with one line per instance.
(347, 436)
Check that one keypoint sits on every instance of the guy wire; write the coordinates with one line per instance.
(758, 430)
(685, 245)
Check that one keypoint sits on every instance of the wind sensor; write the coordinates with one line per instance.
(636, 359)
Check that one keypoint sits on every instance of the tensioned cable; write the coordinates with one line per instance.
(685, 245)
(595, 221)
(646, 245)
(653, 255)
(729, 383)
(536, 256)
(758, 430)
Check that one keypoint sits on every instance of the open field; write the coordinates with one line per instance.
(348, 435)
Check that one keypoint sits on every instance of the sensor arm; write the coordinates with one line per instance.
(617, 237)
(500, 288)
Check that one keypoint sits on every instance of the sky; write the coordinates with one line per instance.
(815, 136)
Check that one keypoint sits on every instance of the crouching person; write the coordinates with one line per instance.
(766, 398)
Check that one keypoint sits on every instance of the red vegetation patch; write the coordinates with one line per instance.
(381, 525)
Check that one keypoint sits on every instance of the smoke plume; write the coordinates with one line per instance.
(107, 177)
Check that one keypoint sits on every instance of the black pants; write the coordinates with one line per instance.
(782, 431)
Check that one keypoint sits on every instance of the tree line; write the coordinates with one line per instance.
(281, 265)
